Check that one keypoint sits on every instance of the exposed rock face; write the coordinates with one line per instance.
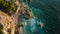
(23, 10)
(13, 22)
(7, 22)
(25, 13)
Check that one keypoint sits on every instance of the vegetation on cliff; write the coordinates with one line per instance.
(9, 30)
(8, 6)
(1, 27)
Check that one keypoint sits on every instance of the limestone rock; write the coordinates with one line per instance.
(7, 22)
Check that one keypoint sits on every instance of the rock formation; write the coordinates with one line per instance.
(11, 24)
(7, 22)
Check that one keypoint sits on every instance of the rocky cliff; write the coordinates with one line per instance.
(7, 22)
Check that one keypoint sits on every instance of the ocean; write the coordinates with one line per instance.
(46, 12)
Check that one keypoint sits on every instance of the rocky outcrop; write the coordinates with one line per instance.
(7, 22)
(25, 13)
(11, 24)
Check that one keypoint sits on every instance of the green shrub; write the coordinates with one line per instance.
(1, 26)
(9, 6)
(9, 31)
(1, 32)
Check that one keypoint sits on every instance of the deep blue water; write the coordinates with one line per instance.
(45, 11)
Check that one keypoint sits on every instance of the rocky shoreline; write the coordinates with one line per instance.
(13, 22)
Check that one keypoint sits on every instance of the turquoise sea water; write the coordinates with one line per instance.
(45, 11)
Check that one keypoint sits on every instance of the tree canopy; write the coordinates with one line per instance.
(8, 6)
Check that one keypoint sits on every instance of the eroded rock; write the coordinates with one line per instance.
(7, 22)
(25, 13)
